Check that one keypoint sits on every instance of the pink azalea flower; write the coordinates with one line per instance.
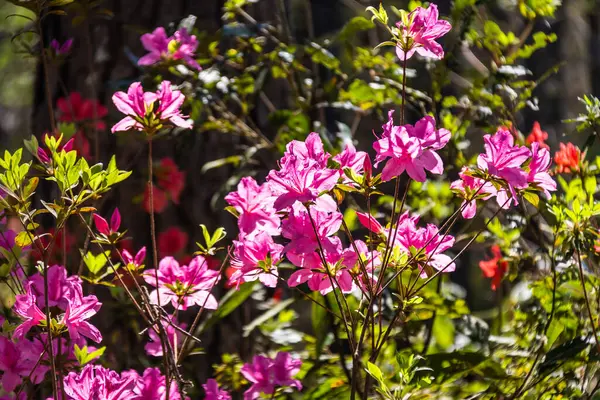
(538, 169)
(7, 239)
(256, 258)
(254, 203)
(37, 350)
(152, 385)
(298, 228)
(137, 261)
(419, 33)
(25, 307)
(319, 277)
(76, 316)
(104, 228)
(138, 105)
(311, 150)
(434, 245)
(352, 159)
(154, 347)
(184, 286)
(471, 189)
(60, 287)
(13, 365)
(265, 374)
(371, 259)
(369, 222)
(410, 149)
(212, 391)
(504, 160)
(180, 46)
(300, 181)
(97, 382)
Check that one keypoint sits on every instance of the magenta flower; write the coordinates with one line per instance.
(411, 149)
(303, 175)
(61, 49)
(37, 350)
(369, 222)
(298, 228)
(154, 346)
(212, 391)
(137, 261)
(254, 203)
(352, 159)
(97, 382)
(143, 114)
(180, 46)
(25, 307)
(76, 316)
(300, 181)
(151, 385)
(104, 228)
(7, 239)
(12, 364)
(352, 260)
(504, 160)
(538, 169)
(266, 374)
(256, 258)
(433, 244)
(60, 287)
(419, 32)
(471, 189)
(184, 286)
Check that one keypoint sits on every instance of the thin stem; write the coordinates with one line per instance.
(46, 76)
(585, 296)
(155, 263)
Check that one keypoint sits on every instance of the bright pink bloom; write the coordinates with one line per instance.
(172, 241)
(300, 181)
(369, 222)
(184, 286)
(13, 365)
(303, 175)
(298, 228)
(60, 287)
(420, 32)
(350, 158)
(352, 260)
(37, 350)
(256, 258)
(471, 189)
(411, 149)
(152, 385)
(154, 347)
(137, 105)
(504, 160)
(538, 169)
(7, 239)
(25, 307)
(254, 203)
(137, 261)
(266, 374)
(76, 316)
(82, 111)
(433, 243)
(97, 382)
(212, 391)
(180, 46)
(61, 49)
(104, 228)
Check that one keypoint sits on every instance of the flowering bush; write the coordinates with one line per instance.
(320, 236)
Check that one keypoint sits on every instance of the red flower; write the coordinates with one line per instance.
(170, 178)
(77, 109)
(172, 241)
(567, 158)
(537, 135)
(494, 268)
(159, 198)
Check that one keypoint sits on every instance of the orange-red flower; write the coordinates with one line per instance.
(567, 158)
(170, 178)
(159, 198)
(494, 268)
(537, 135)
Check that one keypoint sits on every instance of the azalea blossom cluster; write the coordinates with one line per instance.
(294, 206)
(504, 171)
(70, 312)
(181, 46)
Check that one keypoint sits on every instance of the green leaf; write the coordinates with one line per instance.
(532, 198)
(23, 239)
(232, 300)
(266, 316)
(375, 372)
